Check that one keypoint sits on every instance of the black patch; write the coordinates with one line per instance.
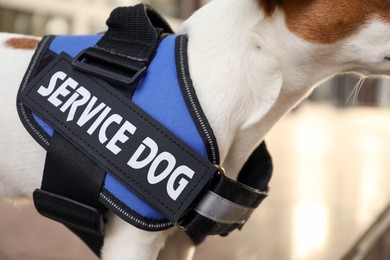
(136, 179)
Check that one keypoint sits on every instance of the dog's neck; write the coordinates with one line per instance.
(248, 71)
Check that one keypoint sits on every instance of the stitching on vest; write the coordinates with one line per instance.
(31, 125)
(37, 55)
(193, 105)
(106, 196)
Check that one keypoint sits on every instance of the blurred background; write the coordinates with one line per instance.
(330, 193)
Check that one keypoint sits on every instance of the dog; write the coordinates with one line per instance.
(251, 62)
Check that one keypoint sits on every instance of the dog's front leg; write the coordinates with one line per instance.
(124, 242)
(177, 247)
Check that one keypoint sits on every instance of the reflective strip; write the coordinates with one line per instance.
(221, 210)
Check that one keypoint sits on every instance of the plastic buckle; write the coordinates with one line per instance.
(69, 212)
(110, 76)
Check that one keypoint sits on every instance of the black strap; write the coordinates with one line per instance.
(257, 171)
(73, 203)
(131, 35)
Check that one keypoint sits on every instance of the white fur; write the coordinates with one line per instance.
(21, 159)
(248, 72)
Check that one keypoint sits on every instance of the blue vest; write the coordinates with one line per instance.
(159, 94)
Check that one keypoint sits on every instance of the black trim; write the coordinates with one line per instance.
(189, 95)
(25, 114)
(47, 57)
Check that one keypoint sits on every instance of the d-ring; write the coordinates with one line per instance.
(180, 227)
(220, 169)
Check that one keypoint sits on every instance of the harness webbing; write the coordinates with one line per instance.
(124, 51)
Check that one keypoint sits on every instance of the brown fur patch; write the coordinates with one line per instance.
(22, 43)
(327, 21)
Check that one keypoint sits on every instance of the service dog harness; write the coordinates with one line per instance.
(124, 131)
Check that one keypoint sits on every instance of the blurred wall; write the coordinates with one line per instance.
(40, 17)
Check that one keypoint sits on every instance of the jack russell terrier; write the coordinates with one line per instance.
(251, 62)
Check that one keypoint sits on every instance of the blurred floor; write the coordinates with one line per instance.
(331, 182)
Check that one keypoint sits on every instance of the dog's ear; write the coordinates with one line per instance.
(268, 6)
